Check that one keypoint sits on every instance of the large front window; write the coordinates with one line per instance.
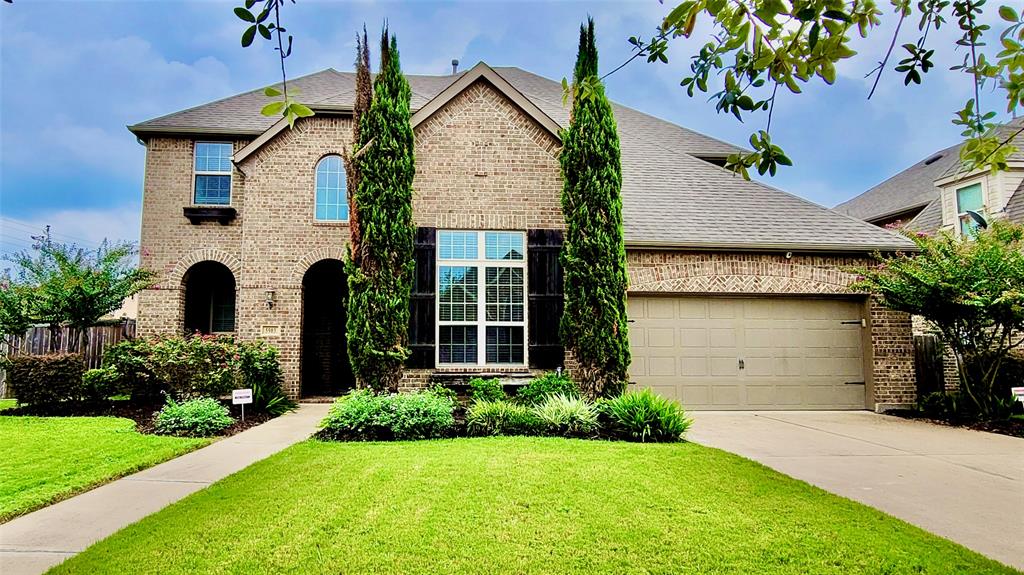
(481, 299)
(213, 173)
(331, 197)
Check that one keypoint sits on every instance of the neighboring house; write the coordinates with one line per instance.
(936, 193)
(738, 292)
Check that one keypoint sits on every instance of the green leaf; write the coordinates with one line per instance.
(273, 109)
(271, 91)
(264, 31)
(300, 110)
(244, 14)
(248, 36)
(836, 15)
(1007, 13)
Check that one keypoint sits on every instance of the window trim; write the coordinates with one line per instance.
(481, 323)
(230, 173)
(344, 175)
(961, 216)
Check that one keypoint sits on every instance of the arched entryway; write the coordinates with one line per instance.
(209, 298)
(325, 367)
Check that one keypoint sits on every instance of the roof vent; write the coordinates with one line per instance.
(455, 66)
(933, 159)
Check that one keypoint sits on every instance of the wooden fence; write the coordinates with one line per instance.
(37, 340)
(928, 364)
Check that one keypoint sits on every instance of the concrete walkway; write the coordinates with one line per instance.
(35, 542)
(967, 486)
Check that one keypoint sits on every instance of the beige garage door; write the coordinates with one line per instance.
(749, 353)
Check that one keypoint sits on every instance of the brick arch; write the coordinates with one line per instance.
(724, 275)
(177, 275)
(307, 261)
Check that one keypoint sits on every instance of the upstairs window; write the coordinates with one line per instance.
(213, 173)
(969, 198)
(481, 298)
(331, 190)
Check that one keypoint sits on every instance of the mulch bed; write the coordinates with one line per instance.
(142, 414)
(1011, 427)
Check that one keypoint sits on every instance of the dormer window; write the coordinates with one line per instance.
(969, 198)
(213, 173)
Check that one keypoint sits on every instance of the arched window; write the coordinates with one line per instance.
(209, 298)
(331, 197)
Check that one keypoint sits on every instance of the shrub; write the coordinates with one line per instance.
(540, 388)
(486, 389)
(645, 416)
(442, 391)
(195, 418)
(45, 380)
(366, 416)
(502, 417)
(98, 384)
(260, 370)
(200, 366)
(568, 416)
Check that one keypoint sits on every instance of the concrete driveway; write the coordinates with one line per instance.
(967, 486)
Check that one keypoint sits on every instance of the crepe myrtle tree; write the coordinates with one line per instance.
(755, 51)
(593, 325)
(971, 292)
(65, 285)
(380, 266)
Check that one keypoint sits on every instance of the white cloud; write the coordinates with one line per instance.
(87, 227)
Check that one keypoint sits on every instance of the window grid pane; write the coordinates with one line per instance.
(504, 297)
(457, 344)
(213, 157)
(504, 344)
(457, 245)
(213, 189)
(504, 245)
(331, 190)
(969, 198)
(457, 293)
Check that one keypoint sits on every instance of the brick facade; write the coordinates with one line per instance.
(481, 163)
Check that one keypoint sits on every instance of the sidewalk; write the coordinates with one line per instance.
(33, 543)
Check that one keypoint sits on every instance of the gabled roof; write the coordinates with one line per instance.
(912, 188)
(672, 197)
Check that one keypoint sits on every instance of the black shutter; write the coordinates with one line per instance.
(421, 304)
(546, 299)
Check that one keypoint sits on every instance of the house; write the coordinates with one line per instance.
(738, 292)
(936, 193)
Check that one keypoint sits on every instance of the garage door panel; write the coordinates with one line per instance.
(797, 353)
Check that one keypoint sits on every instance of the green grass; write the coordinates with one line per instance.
(8, 404)
(46, 459)
(518, 505)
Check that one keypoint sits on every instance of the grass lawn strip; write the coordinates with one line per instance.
(46, 459)
(8, 404)
(519, 505)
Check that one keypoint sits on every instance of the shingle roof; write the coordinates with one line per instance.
(929, 219)
(671, 198)
(1015, 206)
(912, 188)
(1003, 132)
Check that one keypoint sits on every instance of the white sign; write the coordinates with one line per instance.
(1018, 393)
(241, 396)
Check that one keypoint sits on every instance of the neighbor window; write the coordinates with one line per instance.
(481, 298)
(331, 195)
(969, 198)
(213, 173)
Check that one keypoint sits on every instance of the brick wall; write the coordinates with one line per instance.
(481, 164)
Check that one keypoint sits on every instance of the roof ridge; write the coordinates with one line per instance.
(225, 98)
(621, 105)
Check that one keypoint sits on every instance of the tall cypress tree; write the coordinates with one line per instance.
(593, 324)
(381, 267)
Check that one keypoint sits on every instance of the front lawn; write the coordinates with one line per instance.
(46, 459)
(8, 404)
(518, 505)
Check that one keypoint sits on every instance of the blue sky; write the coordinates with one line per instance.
(73, 74)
